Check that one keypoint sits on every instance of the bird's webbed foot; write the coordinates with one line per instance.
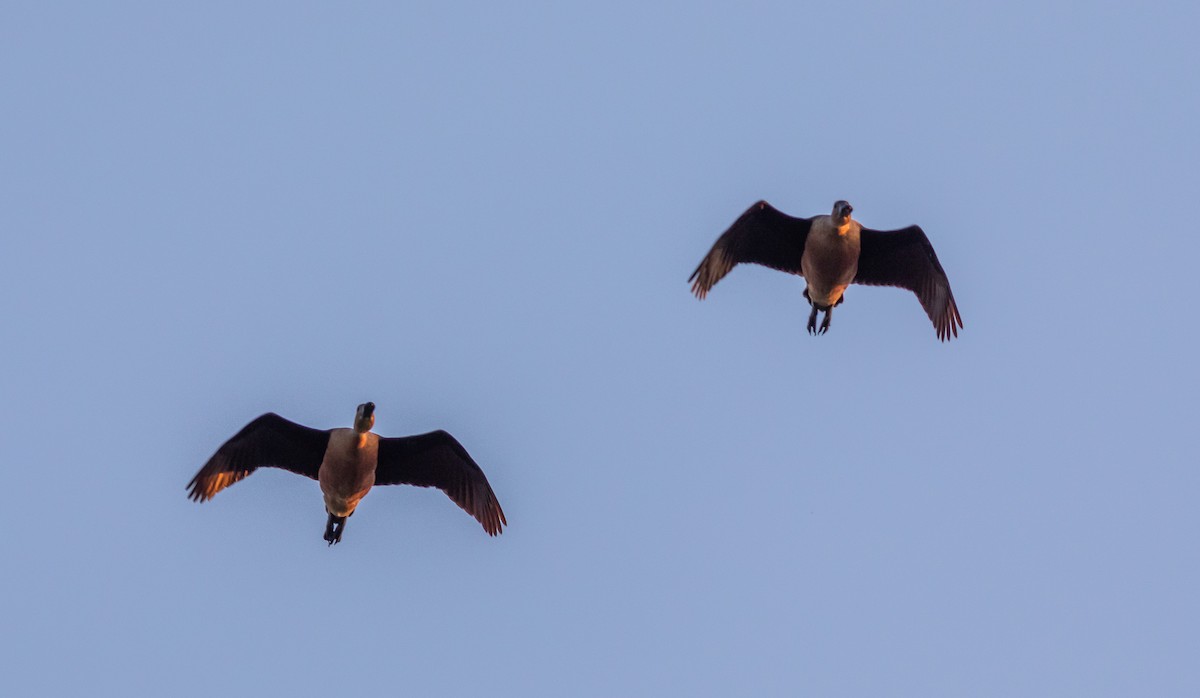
(334, 528)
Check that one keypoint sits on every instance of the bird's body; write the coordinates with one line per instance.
(831, 252)
(347, 469)
(830, 259)
(349, 462)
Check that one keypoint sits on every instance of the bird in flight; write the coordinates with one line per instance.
(348, 462)
(831, 252)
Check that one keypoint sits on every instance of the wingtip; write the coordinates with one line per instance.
(198, 494)
(496, 520)
(949, 331)
(698, 289)
(493, 528)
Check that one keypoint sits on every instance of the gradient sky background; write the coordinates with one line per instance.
(483, 219)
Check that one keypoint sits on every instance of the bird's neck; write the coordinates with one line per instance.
(844, 228)
(360, 439)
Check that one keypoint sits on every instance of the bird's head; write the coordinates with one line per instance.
(364, 418)
(841, 211)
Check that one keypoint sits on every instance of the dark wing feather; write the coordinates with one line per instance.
(269, 441)
(438, 460)
(762, 235)
(905, 258)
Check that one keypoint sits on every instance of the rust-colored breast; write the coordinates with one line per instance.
(830, 260)
(348, 470)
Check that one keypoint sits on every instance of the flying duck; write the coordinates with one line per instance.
(348, 462)
(831, 252)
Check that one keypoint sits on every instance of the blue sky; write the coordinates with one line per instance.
(482, 218)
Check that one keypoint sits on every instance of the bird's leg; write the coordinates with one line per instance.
(825, 322)
(812, 320)
(334, 528)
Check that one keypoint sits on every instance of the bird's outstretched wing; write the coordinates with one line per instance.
(438, 460)
(762, 235)
(269, 441)
(904, 258)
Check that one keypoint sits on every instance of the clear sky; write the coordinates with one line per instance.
(482, 218)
